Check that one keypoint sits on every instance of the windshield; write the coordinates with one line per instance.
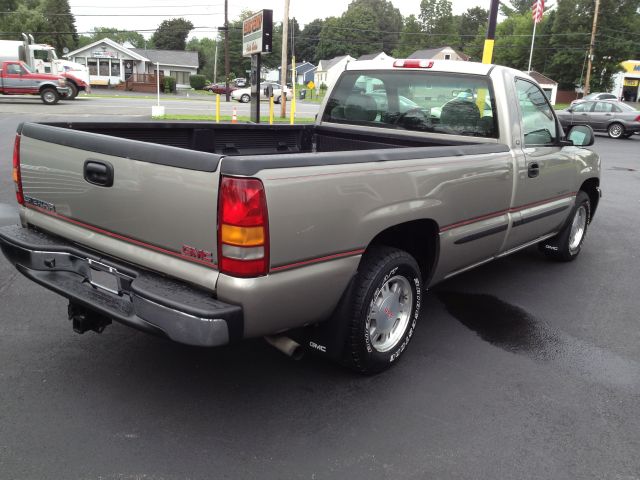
(425, 101)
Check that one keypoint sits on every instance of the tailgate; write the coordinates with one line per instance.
(150, 204)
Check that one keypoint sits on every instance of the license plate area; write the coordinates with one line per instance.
(104, 277)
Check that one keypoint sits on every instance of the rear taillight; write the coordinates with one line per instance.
(637, 119)
(17, 177)
(243, 228)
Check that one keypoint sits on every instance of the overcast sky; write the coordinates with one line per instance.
(147, 14)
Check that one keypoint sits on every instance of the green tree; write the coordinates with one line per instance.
(206, 48)
(171, 34)
(518, 7)
(307, 41)
(513, 42)
(61, 23)
(412, 38)
(115, 34)
(25, 16)
(616, 41)
(438, 23)
(472, 23)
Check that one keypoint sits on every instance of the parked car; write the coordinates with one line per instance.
(243, 95)
(616, 118)
(220, 88)
(595, 96)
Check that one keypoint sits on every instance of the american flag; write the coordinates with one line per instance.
(538, 11)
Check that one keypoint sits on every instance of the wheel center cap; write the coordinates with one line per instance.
(387, 315)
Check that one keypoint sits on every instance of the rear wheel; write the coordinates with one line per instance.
(615, 130)
(385, 309)
(245, 98)
(276, 100)
(49, 96)
(566, 245)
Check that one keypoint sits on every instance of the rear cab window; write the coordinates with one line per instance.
(438, 102)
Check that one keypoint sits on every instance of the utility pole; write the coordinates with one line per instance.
(487, 54)
(585, 89)
(226, 48)
(283, 66)
(215, 65)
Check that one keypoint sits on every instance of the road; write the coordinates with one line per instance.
(520, 369)
(88, 106)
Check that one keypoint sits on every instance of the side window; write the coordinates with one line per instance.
(538, 122)
(603, 107)
(14, 69)
(582, 107)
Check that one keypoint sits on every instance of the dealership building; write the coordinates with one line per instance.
(110, 63)
(627, 82)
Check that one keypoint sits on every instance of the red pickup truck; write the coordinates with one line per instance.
(16, 78)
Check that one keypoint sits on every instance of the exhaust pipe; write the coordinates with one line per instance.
(287, 346)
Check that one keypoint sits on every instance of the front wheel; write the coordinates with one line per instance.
(276, 100)
(385, 309)
(566, 245)
(615, 130)
(49, 96)
(245, 98)
(73, 93)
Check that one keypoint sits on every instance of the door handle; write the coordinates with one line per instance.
(98, 173)
(533, 170)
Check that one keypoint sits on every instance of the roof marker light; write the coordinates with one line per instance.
(413, 63)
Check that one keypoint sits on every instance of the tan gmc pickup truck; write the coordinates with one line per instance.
(324, 236)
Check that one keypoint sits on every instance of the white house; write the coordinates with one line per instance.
(110, 63)
(375, 56)
(329, 70)
(440, 53)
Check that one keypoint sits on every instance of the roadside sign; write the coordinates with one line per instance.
(257, 33)
(311, 85)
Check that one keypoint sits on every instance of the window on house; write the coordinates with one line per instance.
(447, 56)
(103, 67)
(181, 77)
(115, 68)
(81, 60)
(92, 63)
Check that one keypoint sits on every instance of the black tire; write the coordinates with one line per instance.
(74, 91)
(381, 270)
(615, 130)
(565, 246)
(277, 100)
(245, 98)
(49, 96)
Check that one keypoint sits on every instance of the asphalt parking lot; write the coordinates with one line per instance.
(520, 369)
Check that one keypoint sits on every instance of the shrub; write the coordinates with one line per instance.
(323, 86)
(169, 85)
(197, 82)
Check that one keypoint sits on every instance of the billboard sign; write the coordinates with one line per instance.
(257, 33)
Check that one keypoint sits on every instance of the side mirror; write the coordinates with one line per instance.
(581, 136)
(570, 110)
